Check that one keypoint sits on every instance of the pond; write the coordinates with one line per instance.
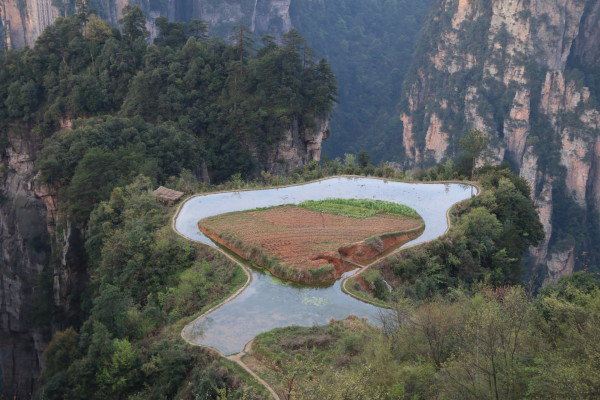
(267, 303)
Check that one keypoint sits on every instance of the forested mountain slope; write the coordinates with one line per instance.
(368, 42)
(89, 108)
(525, 73)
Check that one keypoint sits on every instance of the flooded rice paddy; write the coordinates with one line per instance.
(268, 303)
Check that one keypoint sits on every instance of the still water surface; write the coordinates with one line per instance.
(268, 303)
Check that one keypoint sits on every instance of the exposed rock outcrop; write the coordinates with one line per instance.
(504, 67)
(25, 246)
(24, 21)
(42, 268)
(299, 146)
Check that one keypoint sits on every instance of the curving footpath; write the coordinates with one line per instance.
(433, 201)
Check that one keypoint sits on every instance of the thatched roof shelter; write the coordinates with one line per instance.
(167, 196)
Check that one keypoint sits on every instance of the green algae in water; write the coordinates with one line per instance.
(315, 301)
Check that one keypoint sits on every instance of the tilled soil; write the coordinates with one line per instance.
(299, 237)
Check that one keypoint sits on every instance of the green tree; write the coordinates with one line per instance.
(473, 145)
(364, 160)
(133, 24)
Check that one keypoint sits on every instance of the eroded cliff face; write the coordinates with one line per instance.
(24, 20)
(25, 255)
(42, 271)
(505, 67)
(300, 145)
(37, 288)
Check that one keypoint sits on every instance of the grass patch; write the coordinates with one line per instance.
(359, 208)
(297, 361)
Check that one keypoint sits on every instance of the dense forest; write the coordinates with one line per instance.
(369, 44)
(229, 104)
(145, 283)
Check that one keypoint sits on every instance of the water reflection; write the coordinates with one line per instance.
(267, 303)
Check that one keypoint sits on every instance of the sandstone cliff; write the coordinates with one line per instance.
(300, 145)
(23, 21)
(508, 68)
(41, 269)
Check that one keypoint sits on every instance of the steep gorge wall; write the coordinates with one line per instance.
(23, 22)
(504, 67)
(42, 268)
(299, 146)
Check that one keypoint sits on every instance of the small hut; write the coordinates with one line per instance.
(167, 196)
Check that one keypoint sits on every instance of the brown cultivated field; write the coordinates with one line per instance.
(308, 246)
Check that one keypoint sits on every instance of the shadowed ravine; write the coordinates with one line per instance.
(266, 303)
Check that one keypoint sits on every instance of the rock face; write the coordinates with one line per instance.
(300, 146)
(24, 244)
(24, 20)
(41, 268)
(507, 68)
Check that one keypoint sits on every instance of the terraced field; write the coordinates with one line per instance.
(301, 244)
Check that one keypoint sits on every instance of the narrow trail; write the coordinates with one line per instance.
(237, 358)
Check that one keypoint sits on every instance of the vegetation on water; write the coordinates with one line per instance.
(359, 208)
(491, 344)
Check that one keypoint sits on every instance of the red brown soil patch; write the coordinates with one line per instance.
(303, 240)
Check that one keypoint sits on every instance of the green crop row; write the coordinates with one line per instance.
(359, 208)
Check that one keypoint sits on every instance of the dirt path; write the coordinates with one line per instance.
(237, 358)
